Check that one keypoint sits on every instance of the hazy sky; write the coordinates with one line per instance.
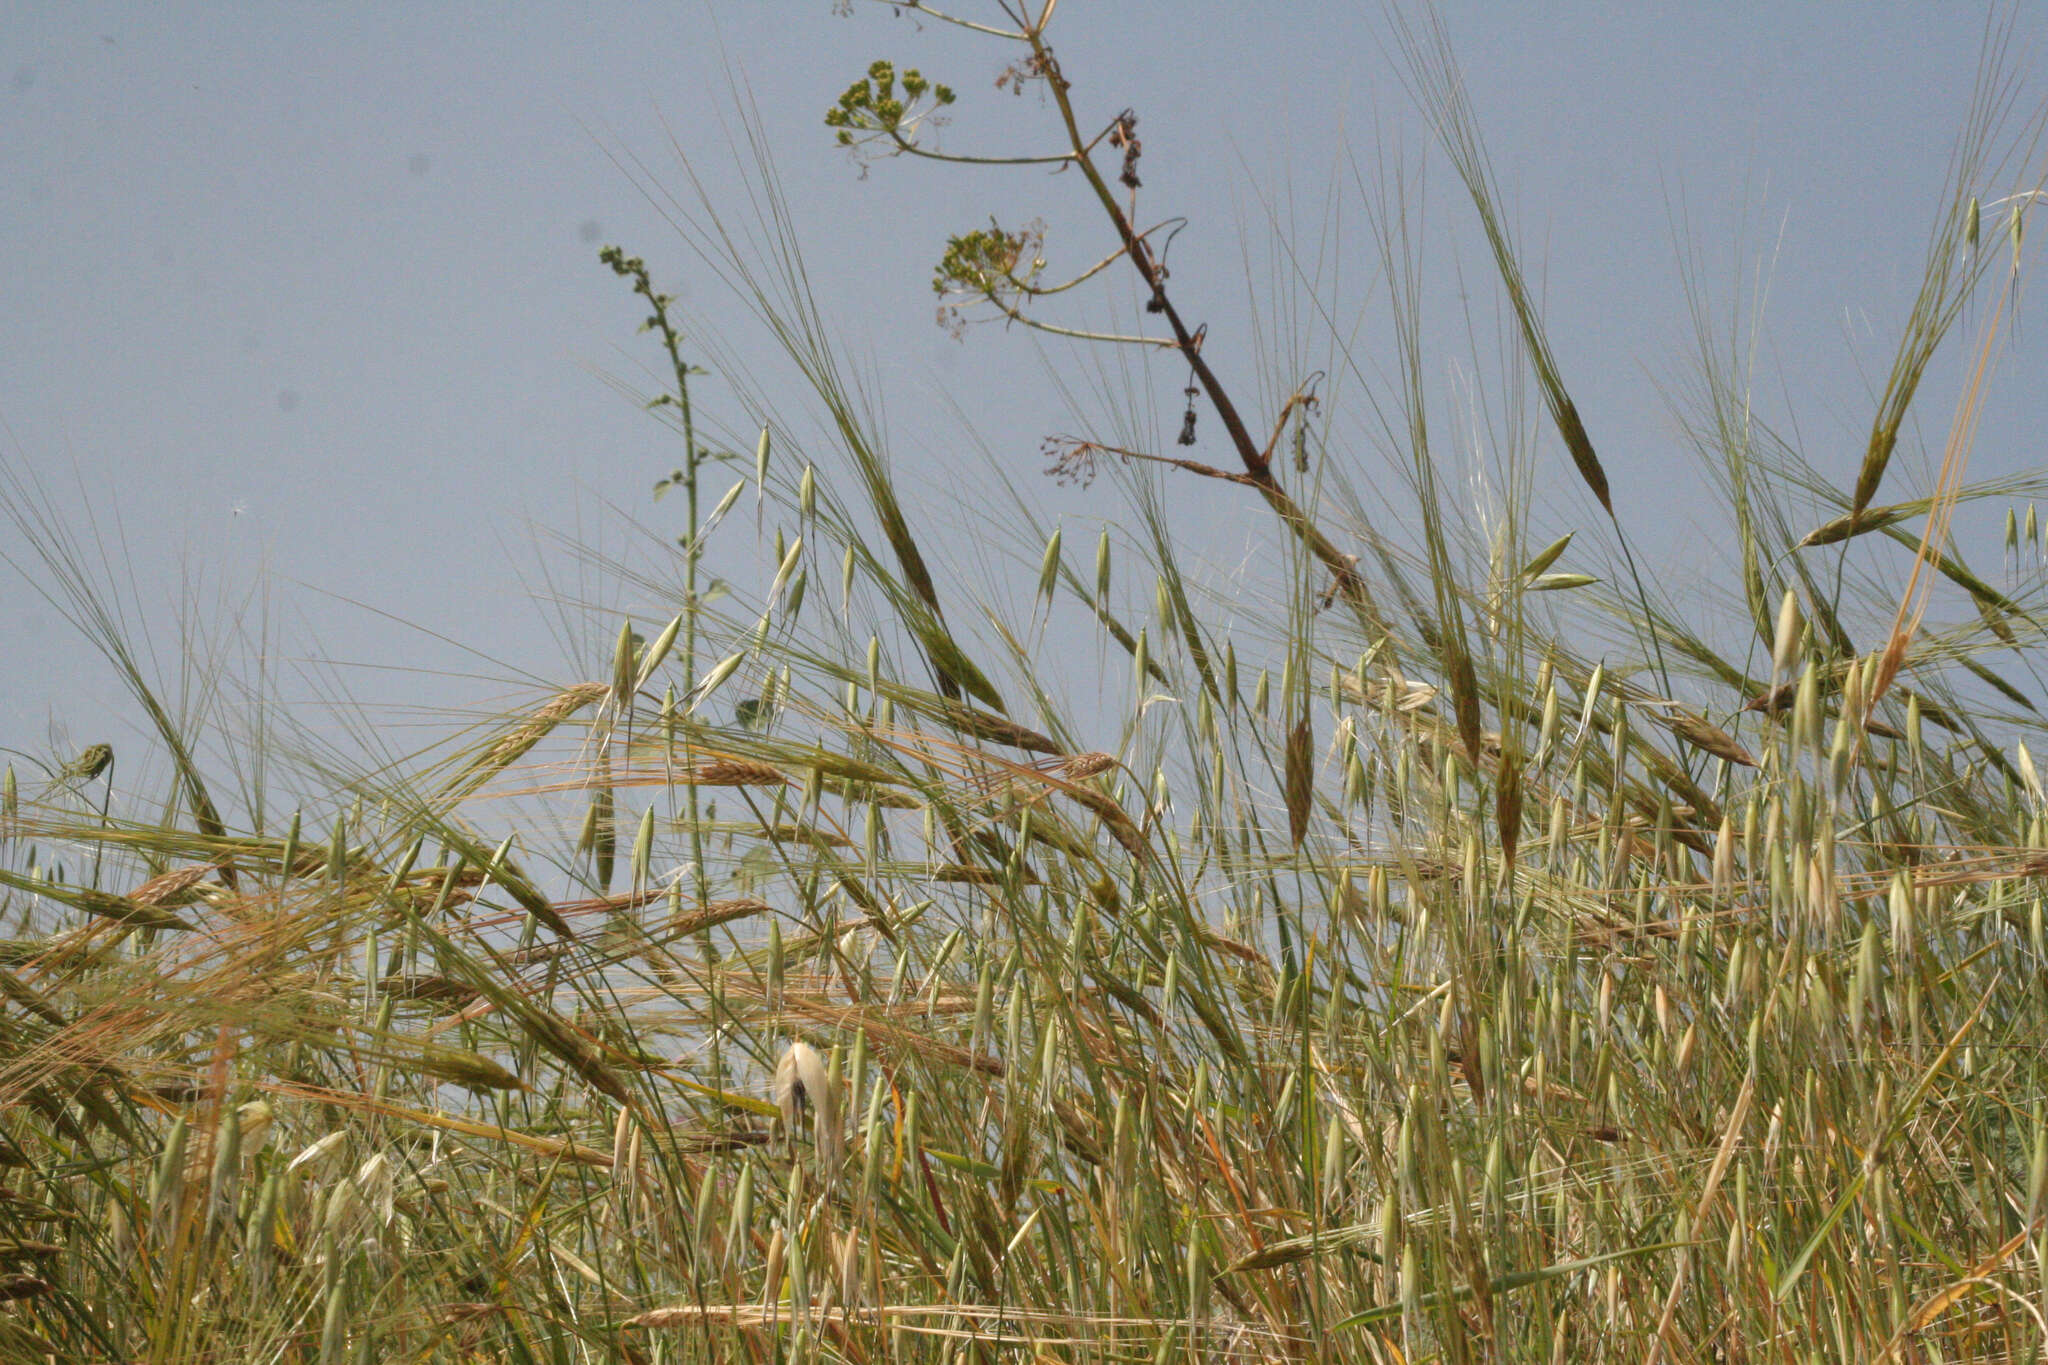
(303, 301)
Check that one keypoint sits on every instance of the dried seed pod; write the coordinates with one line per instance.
(803, 1084)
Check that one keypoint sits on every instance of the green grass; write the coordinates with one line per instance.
(1450, 965)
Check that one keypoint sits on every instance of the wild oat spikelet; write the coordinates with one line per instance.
(802, 1082)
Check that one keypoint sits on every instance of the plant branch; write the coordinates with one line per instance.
(904, 144)
(919, 7)
(1016, 314)
(1080, 452)
(1257, 465)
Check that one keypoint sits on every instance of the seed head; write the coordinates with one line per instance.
(802, 1083)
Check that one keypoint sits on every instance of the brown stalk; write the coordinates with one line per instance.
(1258, 470)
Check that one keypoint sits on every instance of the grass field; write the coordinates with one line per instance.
(1491, 956)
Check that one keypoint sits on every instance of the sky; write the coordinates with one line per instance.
(305, 331)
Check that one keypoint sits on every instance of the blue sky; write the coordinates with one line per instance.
(303, 316)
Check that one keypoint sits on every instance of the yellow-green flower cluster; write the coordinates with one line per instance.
(871, 104)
